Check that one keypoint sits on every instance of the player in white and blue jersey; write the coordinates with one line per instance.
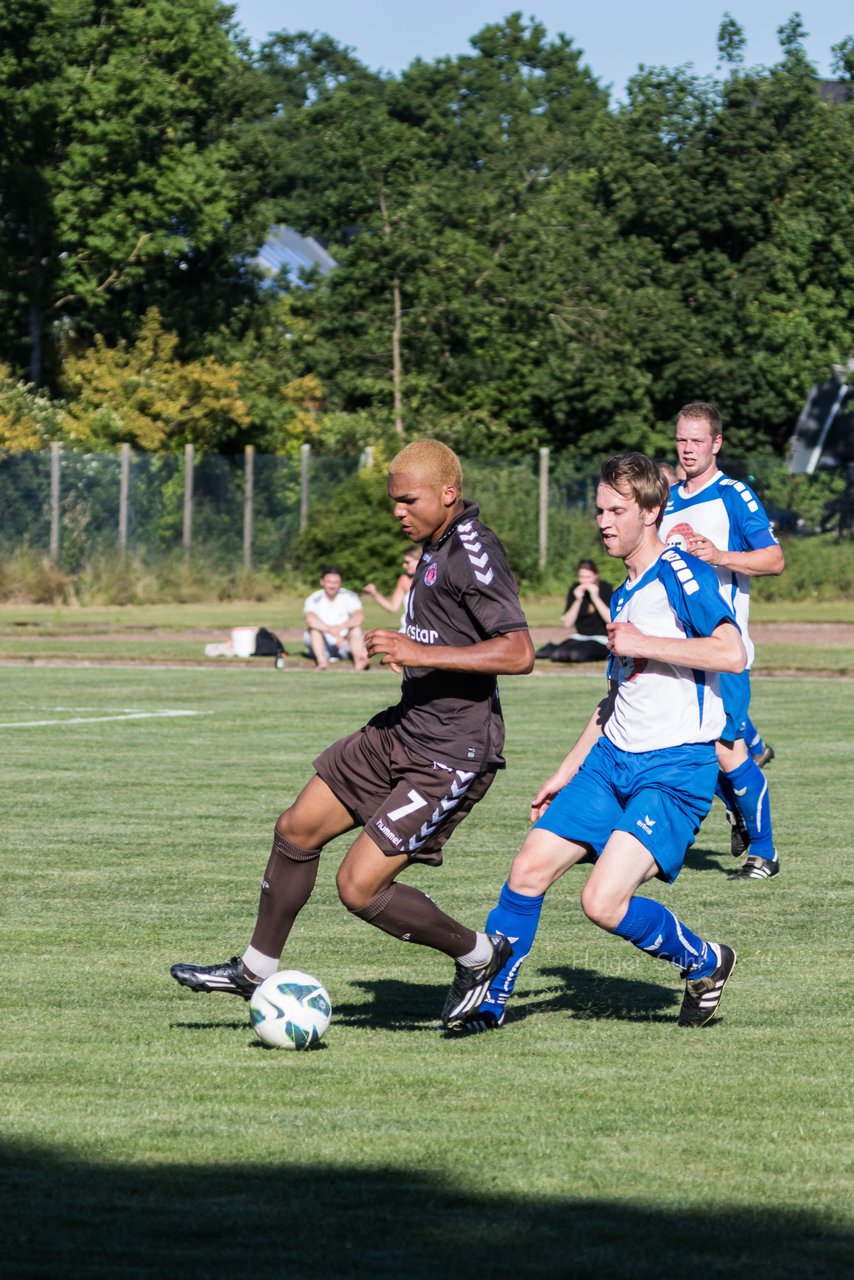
(634, 789)
(721, 521)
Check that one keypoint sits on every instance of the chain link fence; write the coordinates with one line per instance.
(243, 509)
(249, 509)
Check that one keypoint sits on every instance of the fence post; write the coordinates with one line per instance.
(304, 455)
(248, 501)
(544, 508)
(188, 499)
(124, 490)
(55, 454)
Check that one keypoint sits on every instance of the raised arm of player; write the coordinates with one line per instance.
(506, 655)
(588, 737)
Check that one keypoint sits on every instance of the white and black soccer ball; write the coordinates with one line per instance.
(290, 1010)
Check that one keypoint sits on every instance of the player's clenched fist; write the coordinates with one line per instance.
(394, 648)
(625, 640)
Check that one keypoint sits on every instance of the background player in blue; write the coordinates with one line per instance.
(721, 521)
(634, 789)
(410, 775)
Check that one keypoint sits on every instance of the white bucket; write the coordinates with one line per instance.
(243, 641)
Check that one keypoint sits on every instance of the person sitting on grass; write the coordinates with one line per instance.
(586, 615)
(333, 618)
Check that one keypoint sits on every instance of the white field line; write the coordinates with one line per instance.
(128, 715)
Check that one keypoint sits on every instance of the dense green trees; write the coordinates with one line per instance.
(128, 174)
(520, 262)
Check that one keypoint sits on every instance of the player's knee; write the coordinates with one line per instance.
(353, 896)
(600, 906)
(285, 826)
(297, 833)
(530, 874)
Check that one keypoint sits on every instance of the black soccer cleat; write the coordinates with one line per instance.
(765, 756)
(471, 982)
(474, 1024)
(756, 868)
(739, 836)
(228, 977)
(703, 995)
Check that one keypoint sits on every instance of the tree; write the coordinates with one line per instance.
(144, 395)
(128, 175)
(432, 190)
(742, 187)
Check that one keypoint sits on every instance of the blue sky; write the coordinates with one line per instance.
(616, 35)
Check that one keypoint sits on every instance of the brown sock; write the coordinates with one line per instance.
(285, 889)
(408, 914)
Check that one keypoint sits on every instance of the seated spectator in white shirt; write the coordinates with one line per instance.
(333, 619)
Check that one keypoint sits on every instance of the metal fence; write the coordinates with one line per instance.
(247, 508)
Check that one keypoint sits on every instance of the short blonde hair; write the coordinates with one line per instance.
(432, 462)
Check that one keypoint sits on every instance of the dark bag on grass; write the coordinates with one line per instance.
(267, 645)
(579, 651)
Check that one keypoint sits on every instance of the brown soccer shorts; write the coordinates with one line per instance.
(406, 803)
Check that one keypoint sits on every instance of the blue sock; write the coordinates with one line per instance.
(654, 929)
(517, 917)
(753, 738)
(750, 787)
(723, 790)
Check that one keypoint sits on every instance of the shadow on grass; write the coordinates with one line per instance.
(697, 859)
(590, 996)
(71, 1220)
(583, 993)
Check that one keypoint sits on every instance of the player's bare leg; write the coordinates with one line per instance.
(608, 899)
(623, 866)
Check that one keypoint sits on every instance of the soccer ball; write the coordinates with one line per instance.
(290, 1010)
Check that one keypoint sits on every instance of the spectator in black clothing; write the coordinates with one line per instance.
(586, 614)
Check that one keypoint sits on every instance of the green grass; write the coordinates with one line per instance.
(178, 632)
(146, 1133)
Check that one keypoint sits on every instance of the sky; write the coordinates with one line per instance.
(616, 36)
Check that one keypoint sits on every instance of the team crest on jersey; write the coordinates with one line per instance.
(631, 668)
(679, 535)
(431, 575)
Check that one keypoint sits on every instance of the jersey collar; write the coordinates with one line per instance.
(714, 479)
(469, 510)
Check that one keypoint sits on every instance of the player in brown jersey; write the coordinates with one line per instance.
(410, 775)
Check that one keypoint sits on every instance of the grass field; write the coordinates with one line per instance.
(178, 632)
(146, 1133)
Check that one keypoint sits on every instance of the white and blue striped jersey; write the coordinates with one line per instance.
(730, 515)
(660, 704)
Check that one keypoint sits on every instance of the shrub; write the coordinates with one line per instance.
(354, 530)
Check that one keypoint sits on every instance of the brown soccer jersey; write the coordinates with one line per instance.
(463, 592)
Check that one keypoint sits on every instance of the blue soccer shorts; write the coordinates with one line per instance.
(735, 692)
(660, 797)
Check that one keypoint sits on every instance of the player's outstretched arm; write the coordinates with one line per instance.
(723, 650)
(508, 655)
(590, 734)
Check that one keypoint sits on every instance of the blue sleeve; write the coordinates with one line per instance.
(693, 592)
(750, 528)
